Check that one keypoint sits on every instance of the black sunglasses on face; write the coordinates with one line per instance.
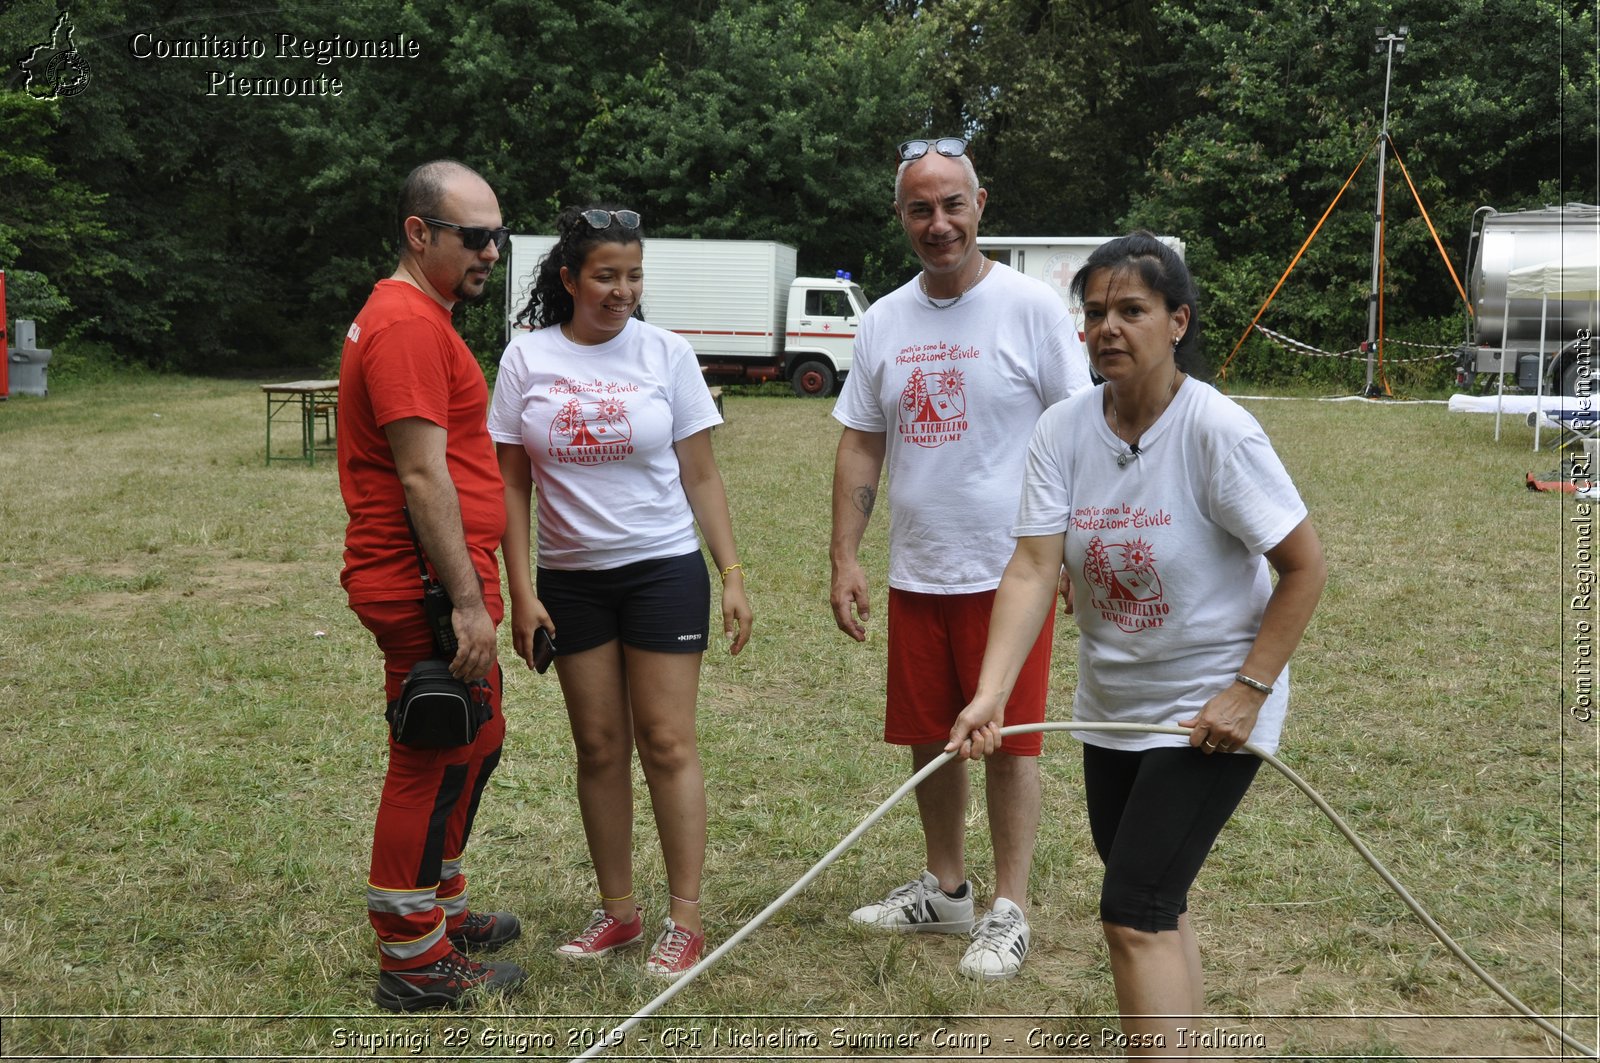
(951, 147)
(473, 238)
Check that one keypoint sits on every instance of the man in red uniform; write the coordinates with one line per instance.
(412, 415)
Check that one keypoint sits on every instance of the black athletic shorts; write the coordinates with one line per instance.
(662, 605)
(1155, 814)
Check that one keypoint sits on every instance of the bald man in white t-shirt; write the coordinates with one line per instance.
(951, 371)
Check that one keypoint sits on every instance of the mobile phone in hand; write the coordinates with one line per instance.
(544, 650)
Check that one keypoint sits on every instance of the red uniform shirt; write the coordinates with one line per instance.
(402, 358)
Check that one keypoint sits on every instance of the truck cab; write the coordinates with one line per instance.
(820, 332)
(738, 303)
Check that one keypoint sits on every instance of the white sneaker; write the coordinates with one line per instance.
(920, 905)
(999, 943)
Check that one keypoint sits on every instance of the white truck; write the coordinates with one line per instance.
(737, 302)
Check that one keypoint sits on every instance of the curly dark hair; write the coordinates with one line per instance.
(550, 303)
(1163, 271)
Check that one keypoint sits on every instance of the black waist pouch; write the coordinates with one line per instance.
(435, 710)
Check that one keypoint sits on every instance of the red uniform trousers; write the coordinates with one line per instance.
(416, 891)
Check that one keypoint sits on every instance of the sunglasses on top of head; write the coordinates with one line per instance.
(951, 147)
(601, 219)
(474, 238)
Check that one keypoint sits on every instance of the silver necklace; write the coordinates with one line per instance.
(1133, 451)
(922, 279)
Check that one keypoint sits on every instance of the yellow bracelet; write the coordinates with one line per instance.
(730, 568)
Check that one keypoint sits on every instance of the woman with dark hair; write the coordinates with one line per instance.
(1166, 504)
(611, 420)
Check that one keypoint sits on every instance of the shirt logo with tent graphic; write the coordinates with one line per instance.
(591, 433)
(1127, 589)
(933, 408)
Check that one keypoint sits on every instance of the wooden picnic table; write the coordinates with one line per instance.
(315, 400)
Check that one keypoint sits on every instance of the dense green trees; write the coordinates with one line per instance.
(52, 232)
(204, 230)
(1064, 98)
(1282, 103)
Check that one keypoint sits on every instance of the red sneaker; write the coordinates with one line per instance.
(675, 951)
(604, 934)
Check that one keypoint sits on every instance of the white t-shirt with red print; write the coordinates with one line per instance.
(1165, 554)
(598, 423)
(956, 391)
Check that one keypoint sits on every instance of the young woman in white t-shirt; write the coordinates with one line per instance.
(1165, 504)
(610, 419)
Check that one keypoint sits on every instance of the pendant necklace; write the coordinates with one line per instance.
(1133, 450)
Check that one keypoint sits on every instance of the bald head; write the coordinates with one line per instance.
(444, 206)
(425, 188)
(933, 158)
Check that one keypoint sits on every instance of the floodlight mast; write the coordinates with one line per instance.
(1388, 43)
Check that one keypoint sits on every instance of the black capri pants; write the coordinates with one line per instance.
(1154, 815)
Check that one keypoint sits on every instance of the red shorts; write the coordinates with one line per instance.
(936, 644)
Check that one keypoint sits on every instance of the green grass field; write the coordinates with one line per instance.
(193, 746)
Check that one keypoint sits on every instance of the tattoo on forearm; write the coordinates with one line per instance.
(865, 497)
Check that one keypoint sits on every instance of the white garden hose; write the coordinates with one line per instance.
(620, 1031)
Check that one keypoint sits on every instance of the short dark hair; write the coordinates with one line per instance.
(1163, 271)
(550, 303)
(422, 194)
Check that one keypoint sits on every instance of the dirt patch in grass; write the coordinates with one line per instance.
(110, 587)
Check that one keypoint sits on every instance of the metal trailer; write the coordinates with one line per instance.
(1514, 335)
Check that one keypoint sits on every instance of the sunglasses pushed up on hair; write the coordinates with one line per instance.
(950, 147)
(474, 238)
(601, 219)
